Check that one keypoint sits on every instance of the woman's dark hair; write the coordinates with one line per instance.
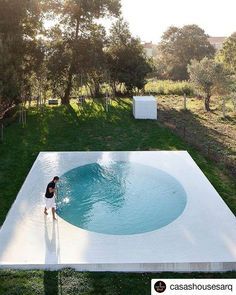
(55, 178)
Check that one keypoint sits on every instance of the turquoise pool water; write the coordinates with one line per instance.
(119, 198)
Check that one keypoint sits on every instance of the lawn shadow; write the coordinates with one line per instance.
(50, 282)
(52, 256)
(73, 114)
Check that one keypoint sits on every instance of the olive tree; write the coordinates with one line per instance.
(208, 77)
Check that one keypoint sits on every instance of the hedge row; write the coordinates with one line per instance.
(169, 88)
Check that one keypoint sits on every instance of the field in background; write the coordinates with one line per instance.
(213, 135)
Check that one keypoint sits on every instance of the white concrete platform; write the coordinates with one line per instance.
(203, 238)
(145, 107)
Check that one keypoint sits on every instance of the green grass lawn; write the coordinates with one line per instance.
(88, 129)
(71, 282)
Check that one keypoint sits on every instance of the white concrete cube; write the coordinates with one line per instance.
(145, 107)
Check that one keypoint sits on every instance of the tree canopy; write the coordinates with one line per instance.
(127, 63)
(77, 51)
(77, 25)
(227, 54)
(178, 47)
(20, 51)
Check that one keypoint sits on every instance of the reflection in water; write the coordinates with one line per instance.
(91, 186)
(119, 197)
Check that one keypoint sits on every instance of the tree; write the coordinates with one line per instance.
(227, 54)
(208, 77)
(20, 53)
(76, 19)
(127, 62)
(89, 64)
(94, 63)
(178, 47)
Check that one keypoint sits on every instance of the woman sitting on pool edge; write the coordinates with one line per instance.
(50, 197)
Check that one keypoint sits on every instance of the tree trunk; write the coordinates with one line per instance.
(113, 88)
(207, 103)
(185, 101)
(66, 98)
(223, 107)
(96, 90)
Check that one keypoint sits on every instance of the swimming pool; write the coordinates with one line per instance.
(198, 235)
(120, 198)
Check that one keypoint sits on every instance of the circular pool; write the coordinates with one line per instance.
(119, 198)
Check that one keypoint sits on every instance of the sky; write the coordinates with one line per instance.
(149, 19)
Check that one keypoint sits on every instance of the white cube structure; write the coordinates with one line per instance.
(145, 107)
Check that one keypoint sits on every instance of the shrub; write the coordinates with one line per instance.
(168, 87)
